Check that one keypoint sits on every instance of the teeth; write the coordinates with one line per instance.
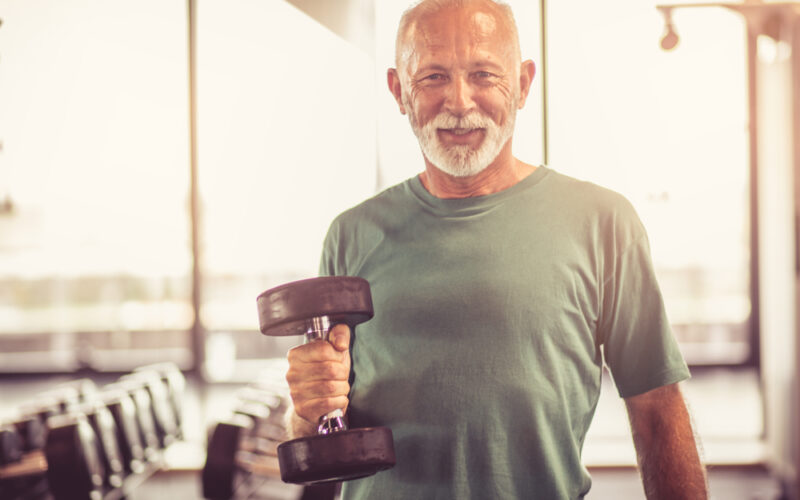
(461, 131)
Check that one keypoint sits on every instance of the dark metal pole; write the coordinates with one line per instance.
(752, 102)
(198, 332)
(543, 72)
(795, 41)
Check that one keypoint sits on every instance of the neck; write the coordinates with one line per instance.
(502, 173)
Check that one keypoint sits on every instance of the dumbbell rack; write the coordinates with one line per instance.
(80, 442)
(241, 459)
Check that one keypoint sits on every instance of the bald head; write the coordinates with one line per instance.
(494, 18)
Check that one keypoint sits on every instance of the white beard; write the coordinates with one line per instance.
(462, 160)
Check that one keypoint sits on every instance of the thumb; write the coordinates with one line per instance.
(340, 337)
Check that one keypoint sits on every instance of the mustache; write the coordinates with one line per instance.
(471, 120)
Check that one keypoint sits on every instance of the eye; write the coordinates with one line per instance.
(481, 75)
(435, 77)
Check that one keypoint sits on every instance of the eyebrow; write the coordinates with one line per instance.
(486, 63)
(431, 67)
(483, 63)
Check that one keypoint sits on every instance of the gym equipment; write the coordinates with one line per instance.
(129, 438)
(144, 416)
(244, 446)
(312, 307)
(224, 471)
(31, 431)
(77, 442)
(175, 384)
(10, 446)
(105, 429)
(69, 461)
(164, 419)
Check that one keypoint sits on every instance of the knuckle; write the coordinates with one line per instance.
(334, 403)
(297, 397)
(331, 371)
(294, 376)
(329, 387)
(304, 410)
(295, 354)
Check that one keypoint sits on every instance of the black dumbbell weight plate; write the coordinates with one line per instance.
(74, 470)
(219, 476)
(285, 309)
(339, 456)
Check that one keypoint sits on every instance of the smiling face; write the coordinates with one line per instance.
(458, 78)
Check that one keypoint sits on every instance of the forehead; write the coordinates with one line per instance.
(465, 32)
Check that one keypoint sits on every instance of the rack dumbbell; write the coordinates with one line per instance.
(245, 444)
(129, 435)
(174, 386)
(45, 460)
(23, 439)
(69, 462)
(106, 433)
(96, 440)
(166, 424)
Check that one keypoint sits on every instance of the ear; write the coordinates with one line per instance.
(393, 79)
(527, 70)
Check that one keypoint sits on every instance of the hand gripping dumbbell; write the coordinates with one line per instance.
(312, 307)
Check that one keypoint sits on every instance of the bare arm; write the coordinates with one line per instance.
(666, 449)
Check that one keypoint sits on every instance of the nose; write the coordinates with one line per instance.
(459, 97)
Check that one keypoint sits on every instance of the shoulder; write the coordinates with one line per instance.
(378, 207)
(357, 231)
(587, 195)
(605, 213)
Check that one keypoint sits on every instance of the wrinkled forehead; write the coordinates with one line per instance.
(481, 26)
(476, 31)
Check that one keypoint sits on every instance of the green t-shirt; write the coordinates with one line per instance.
(493, 317)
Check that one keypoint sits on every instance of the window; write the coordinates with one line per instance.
(294, 125)
(94, 250)
(669, 131)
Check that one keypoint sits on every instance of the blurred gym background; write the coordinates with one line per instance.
(162, 162)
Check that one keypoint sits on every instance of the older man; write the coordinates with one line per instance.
(500, 291)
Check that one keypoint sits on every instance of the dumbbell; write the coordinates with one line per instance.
(245, 444)
(311, 308)
(163, 416)
(144, 416)
(175, 384)
(229, 462)
(69, 461)
(129, 436)
(23, 438)
(106, 433)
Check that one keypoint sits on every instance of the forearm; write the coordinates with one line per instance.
(666, 447)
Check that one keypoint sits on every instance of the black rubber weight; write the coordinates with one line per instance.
(284, 310)
(340, 456)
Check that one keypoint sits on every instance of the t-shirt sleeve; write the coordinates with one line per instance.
(638, 344)
(328, 259)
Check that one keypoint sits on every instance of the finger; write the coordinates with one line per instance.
(340, 337)
(312, 409)
(305, 391)
(317, 371)
(313, 352)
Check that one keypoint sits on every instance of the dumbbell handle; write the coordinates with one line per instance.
(319, 328)
(31, 463)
